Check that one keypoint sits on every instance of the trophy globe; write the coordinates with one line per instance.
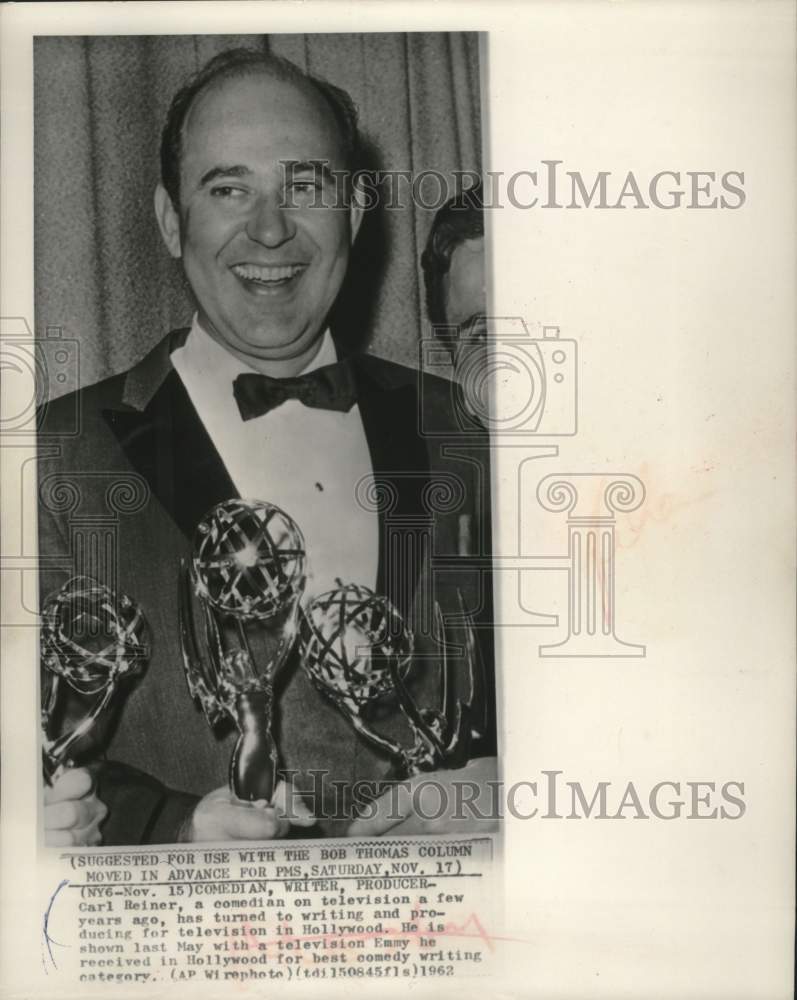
(91, 638)
(354, 644)
(248, 559)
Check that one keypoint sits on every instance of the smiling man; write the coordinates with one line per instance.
(255, 400)
(264, 259)
(264, 239)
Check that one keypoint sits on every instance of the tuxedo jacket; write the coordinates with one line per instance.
(133, 471)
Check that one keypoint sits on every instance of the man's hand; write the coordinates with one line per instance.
(72, 811)
(220, 816)
(458, 801)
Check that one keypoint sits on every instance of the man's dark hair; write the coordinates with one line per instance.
(242, 62)
(460, 219)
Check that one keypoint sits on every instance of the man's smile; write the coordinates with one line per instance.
(268, 276)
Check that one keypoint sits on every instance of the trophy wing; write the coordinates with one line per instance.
(200, 678)
(465, 720)
(476, 705)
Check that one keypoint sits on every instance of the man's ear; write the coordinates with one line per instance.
(168, 221)
(357, 207)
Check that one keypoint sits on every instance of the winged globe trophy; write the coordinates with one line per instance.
(247, 576)
(91, 640)
(358, 651)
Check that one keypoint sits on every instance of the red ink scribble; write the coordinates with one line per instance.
(658, 508)
(459, 930)
(471, 927)
(249, 937)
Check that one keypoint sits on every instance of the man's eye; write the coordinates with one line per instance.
(226, 191)
(306, 186)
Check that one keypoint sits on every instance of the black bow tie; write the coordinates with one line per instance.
(329, 388)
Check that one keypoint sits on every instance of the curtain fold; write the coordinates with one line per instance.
(102, 274)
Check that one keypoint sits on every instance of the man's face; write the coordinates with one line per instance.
(464, 300)
(264, 258)
(463, 284)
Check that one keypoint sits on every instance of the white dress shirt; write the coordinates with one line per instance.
(306, 461)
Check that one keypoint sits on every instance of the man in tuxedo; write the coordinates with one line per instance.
(255, 400)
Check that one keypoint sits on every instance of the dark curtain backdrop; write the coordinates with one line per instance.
(102, 274)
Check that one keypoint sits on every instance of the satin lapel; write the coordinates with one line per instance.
(168, 445)
(400, 464)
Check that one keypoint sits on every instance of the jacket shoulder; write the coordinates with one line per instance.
(394, 376)
(66, 414)
(58, 415)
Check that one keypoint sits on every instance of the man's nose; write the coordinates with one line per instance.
(270, 223)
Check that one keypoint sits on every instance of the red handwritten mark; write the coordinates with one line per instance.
(472, 927)
(658, 508)
(459, 930)
(251, 939)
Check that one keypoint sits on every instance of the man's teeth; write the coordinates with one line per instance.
(254, 272)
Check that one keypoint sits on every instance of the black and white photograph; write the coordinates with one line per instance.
(397, 468)
(267, 589)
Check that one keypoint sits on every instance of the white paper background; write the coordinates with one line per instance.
(685, 326)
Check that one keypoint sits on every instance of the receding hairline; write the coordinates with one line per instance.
(301, 83)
